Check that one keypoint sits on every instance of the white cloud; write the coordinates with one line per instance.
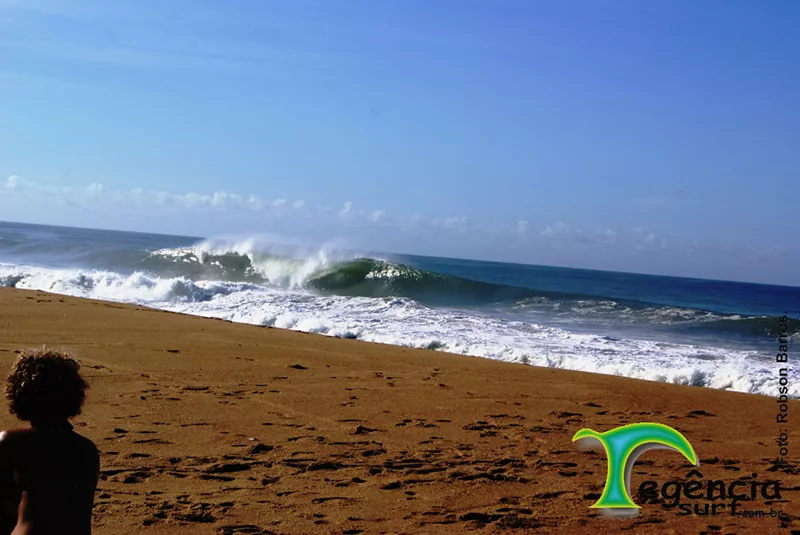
(454, 223)
(95, 189)
(254, 202)
(348, 208)
(157, 203)
(18, 185)
(219, 198)
(652, 241)
(556, 228)
(160, 197)
(561, 233)
(98, 195)
(15, 182)
(193, 199)
(605, 236)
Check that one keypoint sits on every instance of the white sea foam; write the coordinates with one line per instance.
(404, 322)
(280, 264)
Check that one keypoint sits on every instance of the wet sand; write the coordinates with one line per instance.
(207, 426)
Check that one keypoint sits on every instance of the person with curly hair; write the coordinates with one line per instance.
(48, 473)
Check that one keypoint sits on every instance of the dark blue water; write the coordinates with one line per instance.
(732, 314)
(716, 296)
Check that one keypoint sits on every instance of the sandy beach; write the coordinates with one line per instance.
(207, 426)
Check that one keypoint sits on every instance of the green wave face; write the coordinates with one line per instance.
(366, 277)
(623, 446)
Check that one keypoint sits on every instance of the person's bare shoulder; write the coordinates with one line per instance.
(8, 439)
(10, 435)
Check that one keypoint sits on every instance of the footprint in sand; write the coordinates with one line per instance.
(363, 430)
(236, 529)
(699, 413)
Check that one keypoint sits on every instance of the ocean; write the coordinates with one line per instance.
(705, 333)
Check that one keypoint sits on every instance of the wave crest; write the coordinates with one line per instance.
(138, 287)
(252, 259)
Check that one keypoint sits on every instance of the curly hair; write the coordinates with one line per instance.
(45, 386)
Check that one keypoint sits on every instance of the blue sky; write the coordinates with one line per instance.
(657, 137)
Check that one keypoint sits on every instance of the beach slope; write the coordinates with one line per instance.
(207, 426)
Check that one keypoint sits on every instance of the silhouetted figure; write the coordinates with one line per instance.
(48, 473)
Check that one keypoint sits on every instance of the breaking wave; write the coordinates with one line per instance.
(211, 267)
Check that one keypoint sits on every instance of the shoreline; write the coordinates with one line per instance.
(675, 361)
(208, 426)
(383, 344)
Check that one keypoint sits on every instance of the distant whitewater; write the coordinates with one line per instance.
(686, 331)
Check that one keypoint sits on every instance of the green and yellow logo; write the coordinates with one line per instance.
(623, 446)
